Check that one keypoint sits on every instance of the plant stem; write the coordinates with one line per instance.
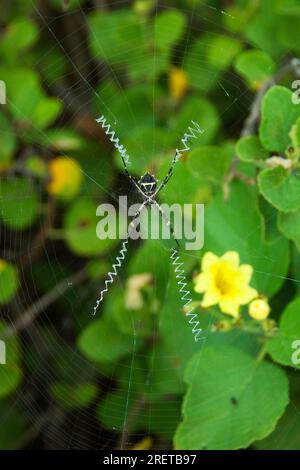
(43, 302)
(134, 412)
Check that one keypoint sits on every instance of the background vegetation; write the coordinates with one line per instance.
(133, 376)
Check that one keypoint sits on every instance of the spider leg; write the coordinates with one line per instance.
(119, 260)
(121, 149)
(166, 178)
(185, 295)
(145, 203)
(184, 292)
(111, 275)
(166, 220)
(191, 134)
(132, 180)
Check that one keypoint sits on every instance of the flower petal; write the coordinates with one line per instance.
(232, 257)
(208, 260)
(211, 297)
(246, 294)
(201, 283)
(246, 271)
(230, 306)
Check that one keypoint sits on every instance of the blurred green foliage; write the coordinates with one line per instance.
(135, 370)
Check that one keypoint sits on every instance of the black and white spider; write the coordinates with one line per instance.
(148, 188)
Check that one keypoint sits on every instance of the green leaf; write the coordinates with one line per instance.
(278, 114)
(182, 178)
(138, 98)
(10, 372)
(280, 188)
(289, 226)
(73, 396)
(249, 149)
(13, 425)
(282, 347)
(294, 150)
(46, 112)
(144, 145)
(175, 328)
(286, 435)
(80, 224)
(231, 401)
(19, 203)
(8, 143)
(201, 111)
(222, 50)
(245, 234)
(166, 377)
(262, 30)
(210, 163)
(62, 140)
(93, 161)
(23, 92)
(97, 269)
(113, 34)
(20, 34)
(147, 68)
(295, 262)
(9, 281)
(169, 27)
(196, 65)
(288, 27)
(53, 63)
(160, 417)
(101, 341)
(35, 165)
(139, 321)
(152, 257)
(113, 409)
(255, 66)
(237, 16)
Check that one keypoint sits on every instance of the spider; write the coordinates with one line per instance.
(148, 188)
(147, 185)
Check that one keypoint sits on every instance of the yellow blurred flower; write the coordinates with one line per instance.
(65, 177)
(2, 264)
(259, 309)
(178, 83)
(256, 85)
(144, 444)
(225, 282)
(133, 297)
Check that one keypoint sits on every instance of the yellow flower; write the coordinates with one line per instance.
(144, 444)
(225, 282)
(2, 264)
(178, 83)
(259, 309)
(134, 298)
(65, 177)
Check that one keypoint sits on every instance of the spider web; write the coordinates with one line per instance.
(49, 426)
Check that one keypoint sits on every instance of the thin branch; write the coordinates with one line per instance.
(43, 303)
(100, 5)
(34, 431)
(40, 239)
(253, 117)
(251, 121)
(134, 412)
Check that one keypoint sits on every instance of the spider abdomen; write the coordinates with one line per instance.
(148, 183)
